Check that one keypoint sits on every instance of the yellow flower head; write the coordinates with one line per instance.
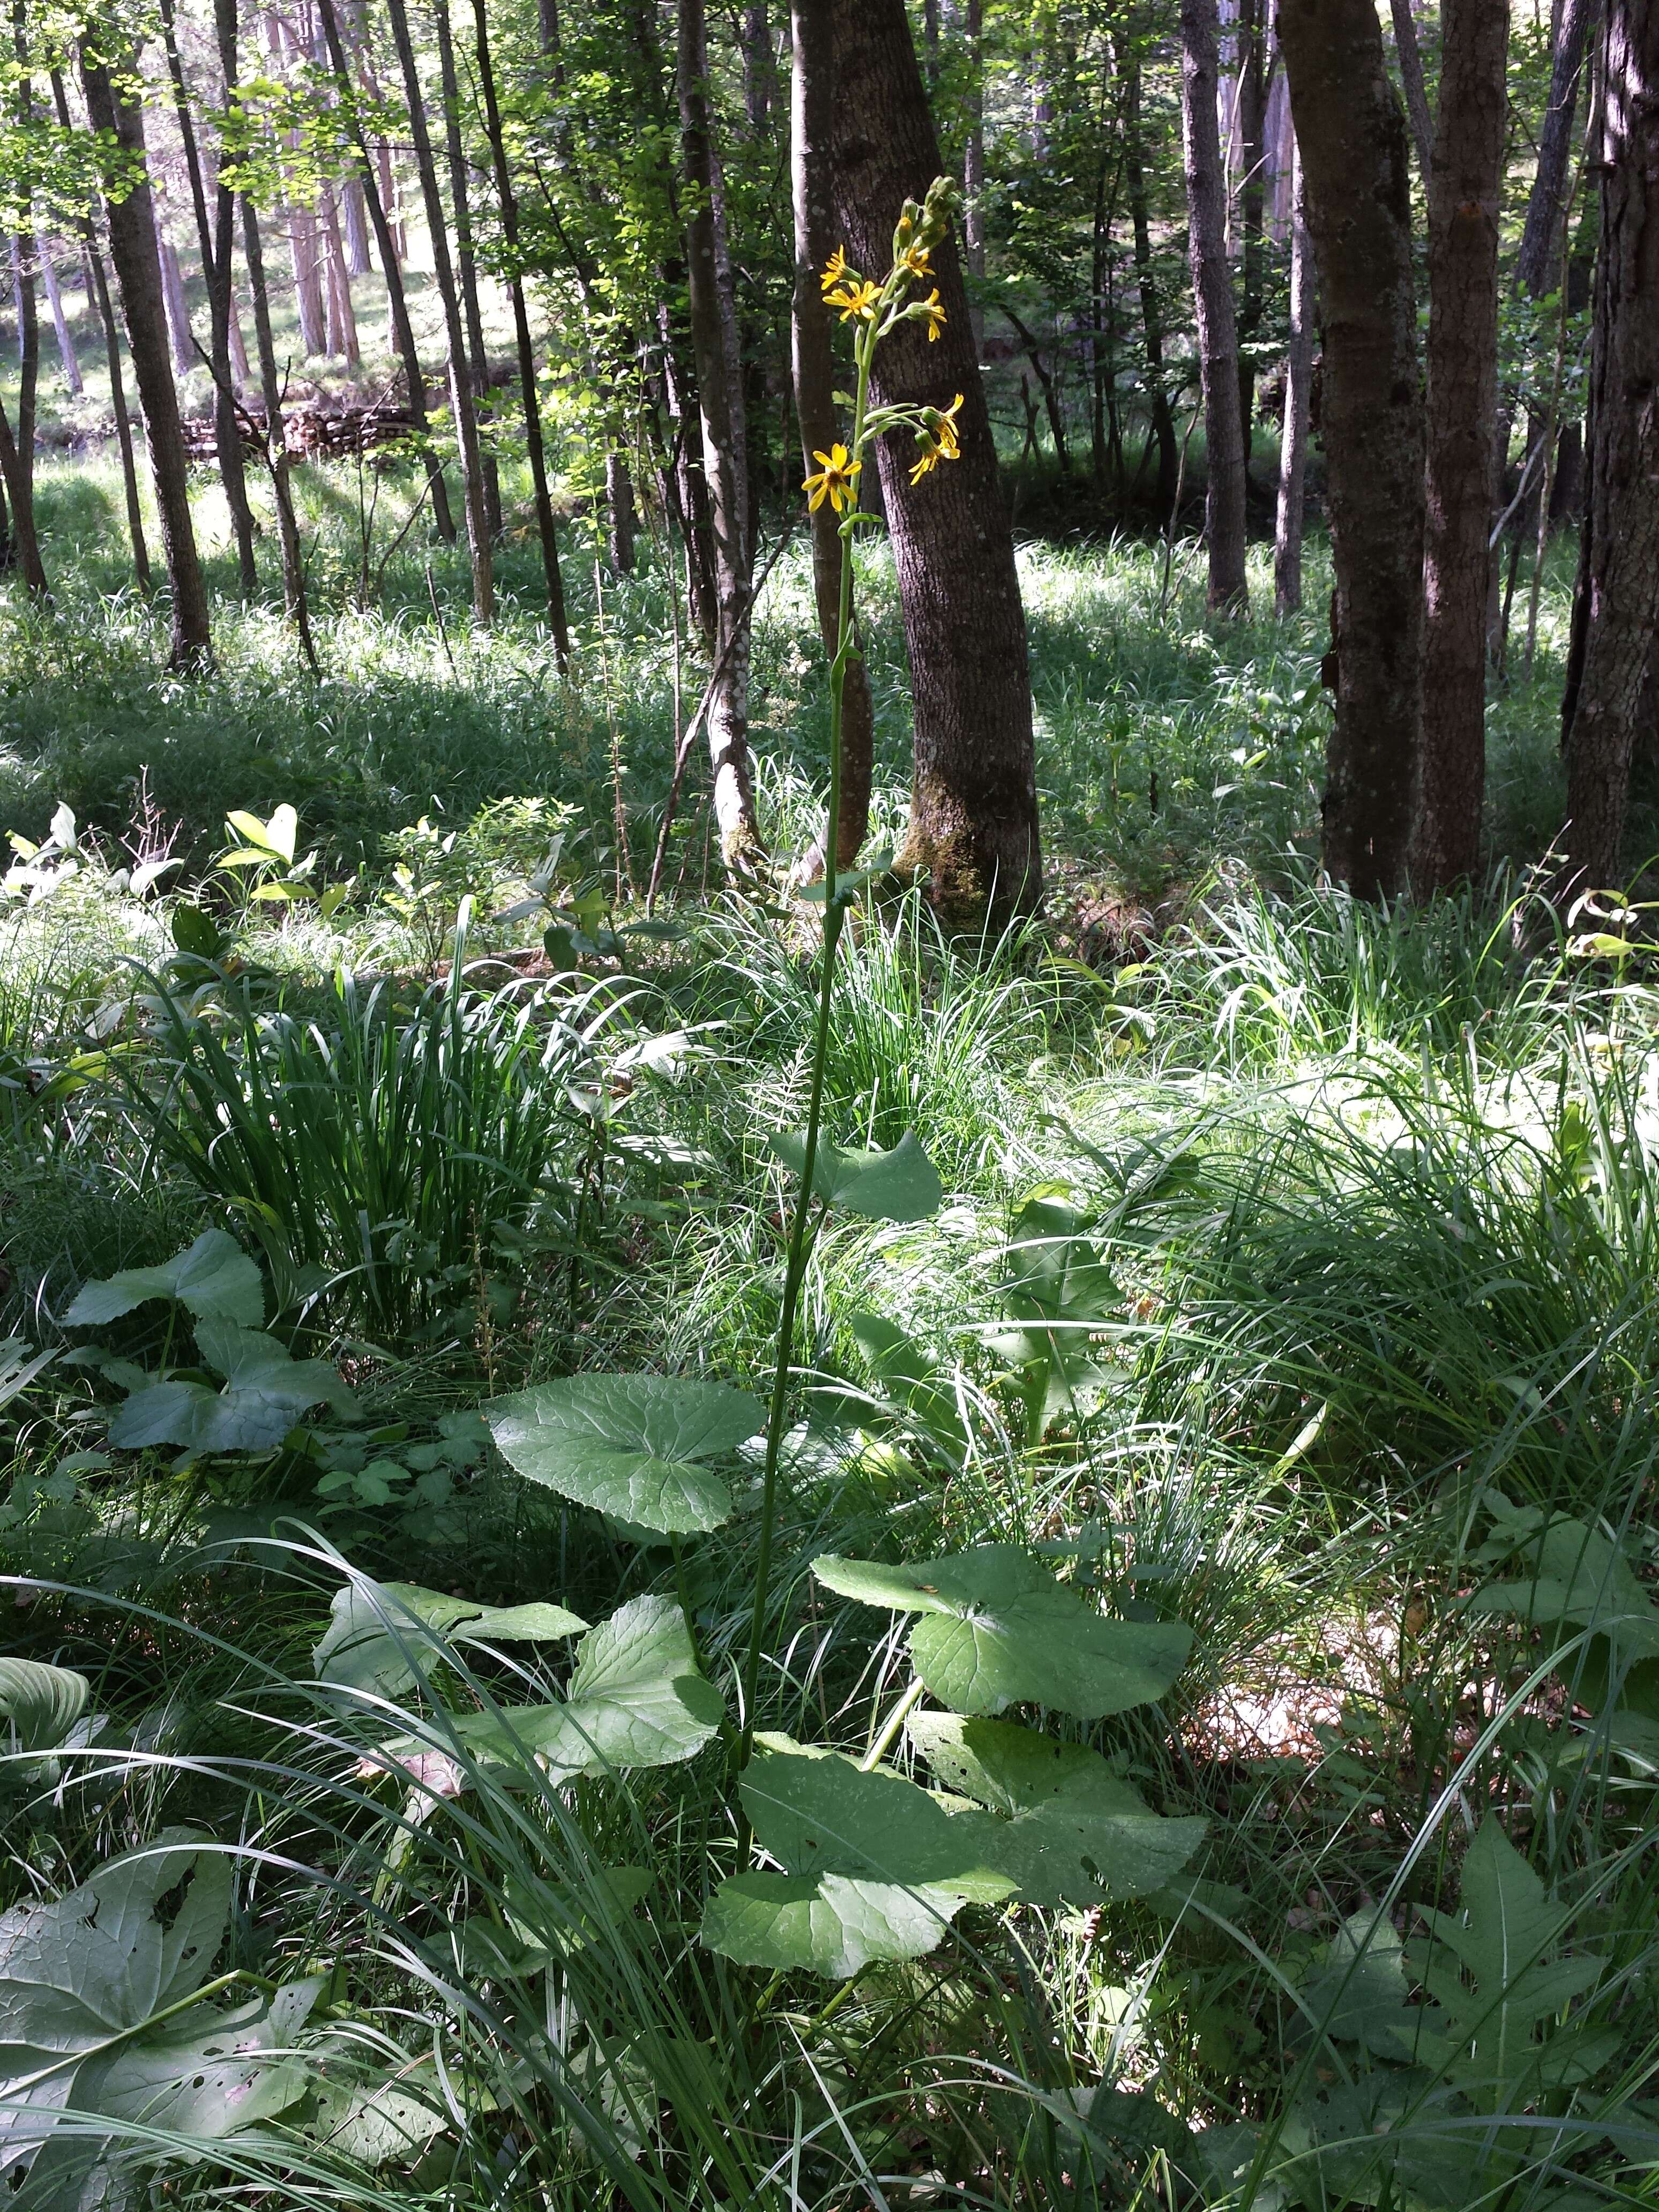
(937, 439)
(834, 270)
(857, 298)
(934, 312)
(912, 259)
(833, 480)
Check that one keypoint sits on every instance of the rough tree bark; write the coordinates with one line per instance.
(460, 373)
(1540, 254)
(1352, 139)
(1161, 422)
(1611, 661)
(973, 828)
(720, 391)
(1212, 294)
(507, 204)
(1465, 181)
(1409, 54)
(1299, 393)
(107, 74)
(811, 128)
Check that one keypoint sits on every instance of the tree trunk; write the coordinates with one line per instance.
(973, 829)
(1352, 139)
(1252, 199)
(238, 346)
(138, 273)
(66, 352)
(812, 117)
(619, 507)
(719, 387)
(306, 263)
(1611, 666)
(1298, 393)
(1465, 183)
(288, 532)
(217, 273)
(1536, 263)
(1409, 55)
(23, 548)
(759, 76)
(1151, 317)
(460, 373)
(460, 201)
(508, 206)
(174, 302)
(1213, 297)
(396, 300)
(973, 163)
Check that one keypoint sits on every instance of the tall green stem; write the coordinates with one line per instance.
(795, 1269)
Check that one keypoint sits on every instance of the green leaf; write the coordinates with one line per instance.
(904, 1372)
(266, 1392)
(275, 837)
(42, 1702)
(1077, 1831)
(215, 1279)
(636, 1698)
(901, 1185)
(634, 1446)
(1580, 1579)
(997, 1630)
(380, 1632)
(197, 933)
(834, 1926)
(373, 2124)
(817, 1812)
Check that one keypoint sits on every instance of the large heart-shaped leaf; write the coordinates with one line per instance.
(381, 1634)
(635, 1446)
(42, 1702)
(636, 1698)
(266, 1392)
(901, 1185)
(997, 1630)
(831, 1926)
(214, 1279)
(1076, 1831)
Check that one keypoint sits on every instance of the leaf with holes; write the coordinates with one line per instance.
(381, 1635)
(901, 1185)
(214, 1279)
(997, 1630)
(634, 1446)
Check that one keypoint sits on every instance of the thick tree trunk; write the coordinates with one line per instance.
(1212, 295)
(216, 272)
(396, 300)
(1465, 182)
(720, 387)
(138, 273)
(1352, 139)
(1152, 315)
(60, 328)
(1611, 667)
(508, 206)
(1409, 55)
(1299, 393)
(812, 117)
(466, 267)
(974, 806)
(460, 372)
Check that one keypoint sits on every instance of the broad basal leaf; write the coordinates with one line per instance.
(635, 1446)
(832, 1926)
(266, 1392)
(42, 1702)
(215, 1279)
(1579, 1577)
(901, 1185)
(997, 1630)
(636, 1698)
(379, 1634)
(1076, 1831)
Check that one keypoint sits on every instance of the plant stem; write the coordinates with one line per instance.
(895, 1721)
(795, 1267)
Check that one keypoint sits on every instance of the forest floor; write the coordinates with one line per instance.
(1357, 1218)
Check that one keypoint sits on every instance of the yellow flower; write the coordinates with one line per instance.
(928, 462)
(834, 481)
(834, 270)
(857, 300)
(947, 431)
(913, 259)
(934, 312)
(939, 440)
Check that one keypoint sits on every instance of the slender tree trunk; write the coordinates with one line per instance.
(460, 373)
(1252, 200)
(397, 301)
(460, 201)
(1212, 294)
(24, 547)
(234, 340)
(216, 272)
(973, 829)
(138, 273)
(1352, 139)
(1465, 183)
(307, 262)
(720, 387)
(288, 532)
(973, 161)
(759, 76)
(508, 207)
(1539, 255)
(1610, 665)
(1409, 55)
(1298, 393)
(812, 117)
(343, 340)
(66, 352)
(619, 507)
(174, 304)
(355, 222)
(1151, 316)
(17, 454)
